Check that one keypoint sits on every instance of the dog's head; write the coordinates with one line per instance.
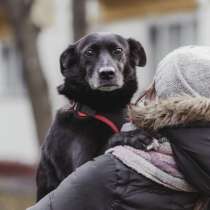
(103, 60)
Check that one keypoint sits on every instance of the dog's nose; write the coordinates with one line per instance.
(106, 73)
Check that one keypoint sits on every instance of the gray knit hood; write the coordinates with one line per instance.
(186, 70)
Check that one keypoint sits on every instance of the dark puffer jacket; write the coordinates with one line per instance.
(107, 184)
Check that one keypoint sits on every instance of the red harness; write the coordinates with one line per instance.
(102, 119)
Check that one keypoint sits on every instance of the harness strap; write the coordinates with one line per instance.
(102, 119)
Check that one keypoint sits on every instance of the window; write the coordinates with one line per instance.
(169, 33)
(11, 78)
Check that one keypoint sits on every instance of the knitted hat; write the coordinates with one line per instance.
(186, 70)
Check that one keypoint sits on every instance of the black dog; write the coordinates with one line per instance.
(100, 77)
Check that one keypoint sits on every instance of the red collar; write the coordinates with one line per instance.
(102, 119)
(90, 113)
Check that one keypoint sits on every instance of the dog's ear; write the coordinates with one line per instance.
(137, 53)
(68, 58)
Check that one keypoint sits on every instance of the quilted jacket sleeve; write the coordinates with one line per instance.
(80, 190)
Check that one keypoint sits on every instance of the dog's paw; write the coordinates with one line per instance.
(138, 139)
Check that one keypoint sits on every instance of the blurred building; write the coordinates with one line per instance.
(159, 25)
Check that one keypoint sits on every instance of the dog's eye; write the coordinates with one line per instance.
(90, 52)
(117, 51)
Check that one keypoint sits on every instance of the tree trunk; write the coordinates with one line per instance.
(25, 35)
(79, 18)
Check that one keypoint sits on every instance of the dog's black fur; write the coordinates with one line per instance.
(99, 72)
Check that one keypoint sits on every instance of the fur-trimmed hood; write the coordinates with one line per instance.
(180, 110)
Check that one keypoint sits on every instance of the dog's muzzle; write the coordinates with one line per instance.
(107, 78)
(106, 73)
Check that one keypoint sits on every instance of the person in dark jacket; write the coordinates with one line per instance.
(173, 170)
